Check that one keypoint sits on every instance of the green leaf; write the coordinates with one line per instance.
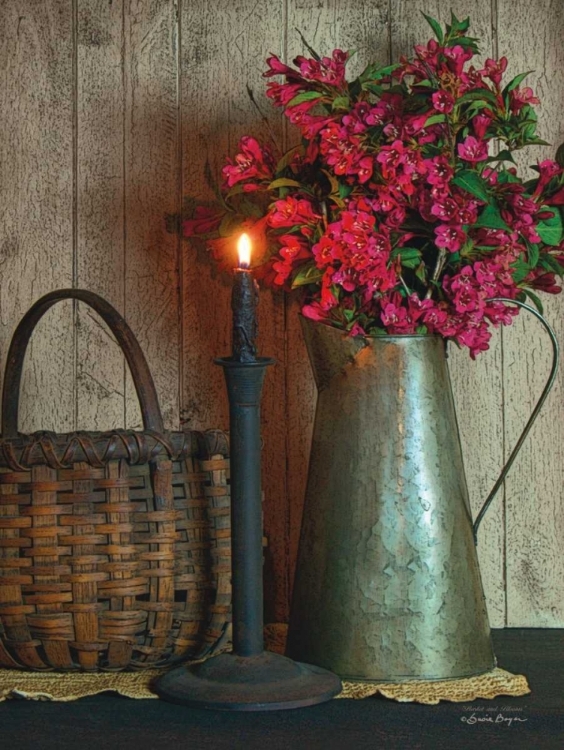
(345, 190)
(490, 218)
(479, 94)
(307, 274)
(410, 256)
(421, 273)
(235, 190)
(536, 142)
(504, 155)
(533, 254)
(468, 42)
(341, 102)
(304, 96)
(287, 158)
(560, 155)
(550, 264)
(520, 270)
(469, 180)
(535, 300)
(283, 182)
(421, 330)
(373, 72)
(436, 26)
(515, 82)
(551, 231)
(434, 119)
(505, 177)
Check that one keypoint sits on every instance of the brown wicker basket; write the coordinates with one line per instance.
(114, 547)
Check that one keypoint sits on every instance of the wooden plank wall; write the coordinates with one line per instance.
(109, 110)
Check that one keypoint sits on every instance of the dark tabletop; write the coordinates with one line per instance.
(108, 721)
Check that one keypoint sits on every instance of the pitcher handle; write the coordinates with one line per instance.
(536, 410)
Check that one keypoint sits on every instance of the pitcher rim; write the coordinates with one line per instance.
(379, 337)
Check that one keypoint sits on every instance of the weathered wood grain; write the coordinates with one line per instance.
(477, 384)
(113, 107)
(36, 199)
(99, 253)
(535, 486)
(222, 52)
(152, 190)
(326, 25)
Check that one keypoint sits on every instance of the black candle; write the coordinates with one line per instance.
(244, 300)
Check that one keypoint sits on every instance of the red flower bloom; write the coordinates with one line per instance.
(472, 150)
(495, 70)
(253, 162)
(443, 101)
(290, 211)
(450, 236)
(518, 98)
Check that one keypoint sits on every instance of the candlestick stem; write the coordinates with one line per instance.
(244, 386)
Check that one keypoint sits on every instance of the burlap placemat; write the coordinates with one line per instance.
(70, 687)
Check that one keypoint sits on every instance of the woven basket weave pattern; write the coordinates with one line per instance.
(99, 569)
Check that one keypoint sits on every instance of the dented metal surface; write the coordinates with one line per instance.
(387, 584)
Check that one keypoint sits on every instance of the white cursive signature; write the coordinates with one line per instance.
(487, 719)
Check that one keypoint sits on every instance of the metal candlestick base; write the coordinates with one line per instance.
(265, 682)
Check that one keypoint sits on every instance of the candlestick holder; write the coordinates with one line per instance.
(249, 678)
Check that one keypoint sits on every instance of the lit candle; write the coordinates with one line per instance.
(244, 305)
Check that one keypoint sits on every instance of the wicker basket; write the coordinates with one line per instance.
(114, 547)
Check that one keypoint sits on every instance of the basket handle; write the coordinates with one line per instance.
(144, 385)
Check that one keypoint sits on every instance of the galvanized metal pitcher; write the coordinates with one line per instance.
(387, 584)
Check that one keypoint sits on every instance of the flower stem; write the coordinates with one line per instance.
(441, 260)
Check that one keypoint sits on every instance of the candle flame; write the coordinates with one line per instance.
(244, 249)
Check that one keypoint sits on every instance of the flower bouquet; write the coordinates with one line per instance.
(401, 210)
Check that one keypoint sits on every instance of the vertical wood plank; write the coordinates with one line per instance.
(36, 199)
(222, 52)
(326, 25)
(99, 209)
(477, 385)
(535, 486)
(151, 192)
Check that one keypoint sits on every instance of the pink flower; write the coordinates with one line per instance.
(282, 93)
(456, 57)
(518, 98)
(314, 311)
(252, 162)
(292, 251)
(329, 70)
(481, 123)
(472, 150)
(443, 101)
(544, 282)
(390, 157)
(495, 70)
(471, 79)
(547, 170)
(474, 334)
(277, 68)
(450, 236)
(439, 171)
(445, 209)
(290, 211)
